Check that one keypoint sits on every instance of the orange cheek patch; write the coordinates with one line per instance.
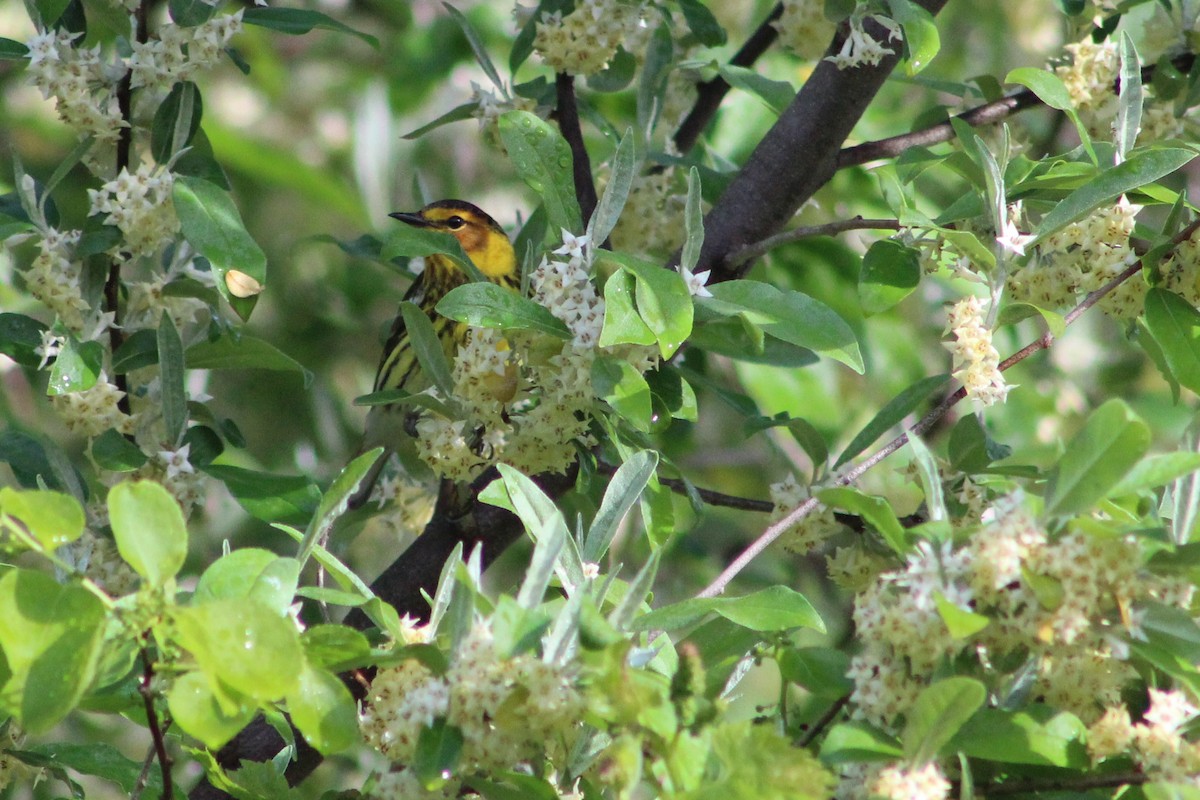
(471, 238)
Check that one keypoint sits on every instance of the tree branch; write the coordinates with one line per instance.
(753, 251)
(712, 92)
(797, 156)
(777, 529)
(568, 123)
(156, 731)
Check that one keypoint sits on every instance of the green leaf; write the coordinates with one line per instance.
(897, 409)
(702, 23)
(890, 271)
(656, 69)
(1175, 326)
(1038, 735)
(456, 114)
(931, 478)
(622, 323)
(1110, 443)
(488, 305)
(12, 51)
(663, 300)
(140, 349)
(171, 374)
(198, 711)
(20, 337)
(853, 742)
(439, 749)
(921, 38)
(937, 715)
(1053, 92)
(243, 643)
(335, 647)
(407, 241)
(1156, 470)
(271, 498)
(875, 511)
(776, 608)
(971, 449)
(100, 760)
(1129, 101)
(481, 55)
(323, 710)
(1015, 312)
(76, 368)
(543, 160)
(115, 453)
(335, 501)
(616, 192)
(623, 490)
(176, 121)
(961, 623)
(778, 95)
(211, 222)
(820, 670)
(1143, 166)
(243, 352)
(428, 346)
(50, 635)
(233, 576)
(149, 528)
(791, 316)
(618, 383)
(549, 541)
(297, 21)
(52, 518)
(693, 219)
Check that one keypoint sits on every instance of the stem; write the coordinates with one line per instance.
(776, 530)
(712, 92)
(112, 284)
(156, 731)
(753, 251)
(821, 724)
(568, 124)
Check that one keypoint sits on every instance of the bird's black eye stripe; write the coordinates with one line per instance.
(455, 222)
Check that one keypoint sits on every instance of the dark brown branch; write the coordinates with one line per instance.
(776, 529)
(712, 92)
(401, 585)
(568, 123)
(1037, 785)
(753, 251)
(986, 114)
(112, 284)
(795, 158)
(826, 719)
(145, 688)
(714, 498)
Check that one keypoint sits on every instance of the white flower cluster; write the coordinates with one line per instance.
(180, 53)
(95, 410)
(1157, 741)
(976, 362)
(860, 47)
(1083, 257)
(804, 29)
(810, 531)
(54, 277)
(528, 412)
(509, 710)
(904, 782)
(1063, 601)
(1091, 80)
(172, 469)
(583, 42)
(83, 86)
(97, 557)
(140, 204)
(652, 223)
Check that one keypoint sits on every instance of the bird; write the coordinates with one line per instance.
(489, 248)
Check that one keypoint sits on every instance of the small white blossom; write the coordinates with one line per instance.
(697, 282)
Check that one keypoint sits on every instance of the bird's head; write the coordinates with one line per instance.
(481, 237)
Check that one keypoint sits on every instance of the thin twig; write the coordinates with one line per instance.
(568, 123)
(712, 92)
(752, 251)
(714, 498)
(156, 731)
(1036, 785)
(112, 284)
(821, 724)
(777, 529)
(986, 114)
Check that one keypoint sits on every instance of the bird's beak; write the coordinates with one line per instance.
(416, 220)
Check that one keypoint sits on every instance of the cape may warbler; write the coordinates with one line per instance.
(487, 245)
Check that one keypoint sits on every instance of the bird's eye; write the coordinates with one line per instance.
(455, 222)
